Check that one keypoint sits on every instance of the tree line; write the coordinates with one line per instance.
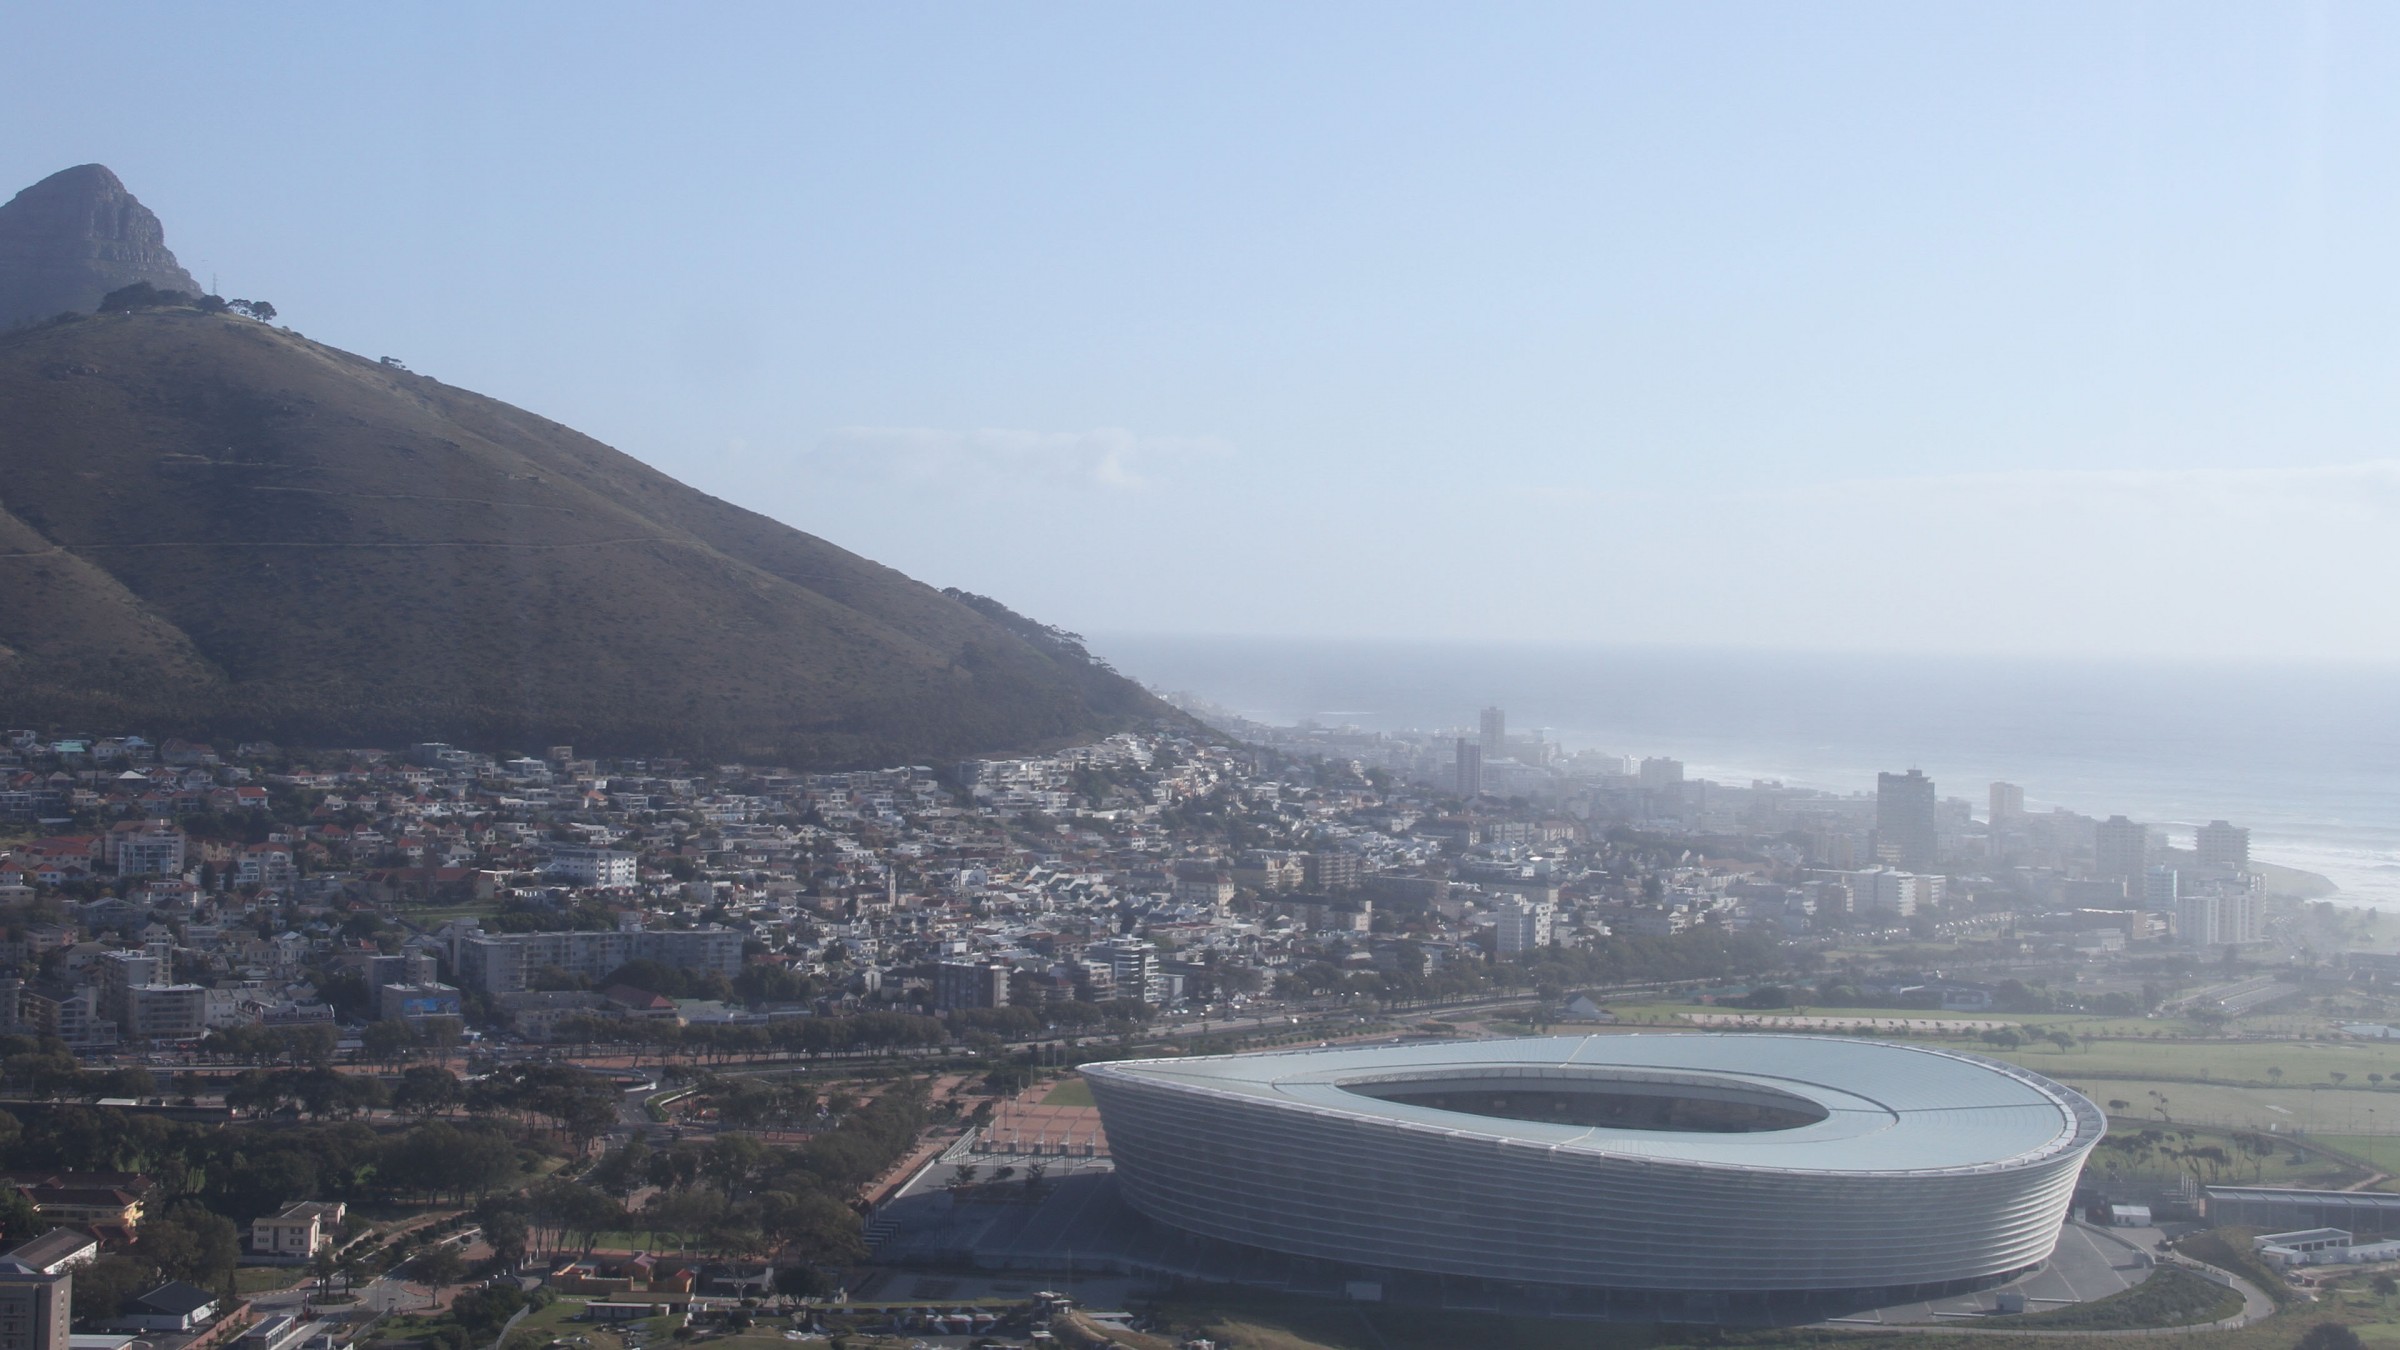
(143, 295)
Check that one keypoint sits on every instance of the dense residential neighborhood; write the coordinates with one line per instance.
(164, 894)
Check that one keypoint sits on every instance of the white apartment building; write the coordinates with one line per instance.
(605, 868)
(1889, 891)
(134, 992)
(2218, 916)
(1520, 925)
(151, 848)
(301, 1230)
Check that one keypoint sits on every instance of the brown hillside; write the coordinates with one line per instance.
(215, 527)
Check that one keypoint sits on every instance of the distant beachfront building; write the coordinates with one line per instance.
(1470, 768)
(2160, 887)
(1658, 773)
(2121, 852)
(2219, 916)
(2008, 802)
(2223, 845)
(1495, 733)
(1906, 833)
(1883, 890)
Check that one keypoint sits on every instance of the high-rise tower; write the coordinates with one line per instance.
(2008, 802)
(2121, 851)
(1904, 820)
(2223, 845)
(1470, 768)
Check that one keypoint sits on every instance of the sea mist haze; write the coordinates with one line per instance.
(2302, 754)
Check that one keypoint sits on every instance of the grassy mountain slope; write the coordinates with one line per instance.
(216, 527)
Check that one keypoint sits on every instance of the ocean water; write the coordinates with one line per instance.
(2307, 756)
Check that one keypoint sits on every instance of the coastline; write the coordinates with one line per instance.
(2293, 883)
(2299, 754)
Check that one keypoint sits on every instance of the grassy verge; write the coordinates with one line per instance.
(1070, 1092)
(1276, 1322)
(1074, 1329)
(555, 1320)
(2278, 1063)
(2230, 1105)
(248, 1280)
(2383, 1150)
(2229, 1249)
(655, 1105)
(2170, 1298)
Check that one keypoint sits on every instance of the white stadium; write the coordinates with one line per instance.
(1751, 1164)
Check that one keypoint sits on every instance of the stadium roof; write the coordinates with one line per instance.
(1887, 1108)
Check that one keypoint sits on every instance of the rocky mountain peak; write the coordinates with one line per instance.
(74, 237)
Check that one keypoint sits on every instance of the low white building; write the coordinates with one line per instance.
(2321, 1247)
(605, 868)
(299, 1230)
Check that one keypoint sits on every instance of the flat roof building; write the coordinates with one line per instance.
(59, 1250)
(2222, 845)
(35, 1306)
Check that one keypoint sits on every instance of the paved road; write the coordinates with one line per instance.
(386, 1294)
(391, 1295)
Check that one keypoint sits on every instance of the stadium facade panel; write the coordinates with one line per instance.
(1692, 1163)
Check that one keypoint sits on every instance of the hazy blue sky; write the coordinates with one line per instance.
(2067, 328)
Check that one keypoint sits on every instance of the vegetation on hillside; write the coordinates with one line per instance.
(216, 528)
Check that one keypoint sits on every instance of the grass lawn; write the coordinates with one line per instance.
(547, 1321)
(2268, 1110)
(1069, 1092)
(249, 1280)
(2302, 1063)
(2376, 929)
(1669, 1013)
(2383, 1150)
(2314, 1170)
(557, 1322)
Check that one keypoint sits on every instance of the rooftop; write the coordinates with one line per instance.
(54, 1246)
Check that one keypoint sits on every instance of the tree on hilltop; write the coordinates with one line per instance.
(141, 295)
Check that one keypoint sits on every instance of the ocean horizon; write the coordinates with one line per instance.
(2302, 754)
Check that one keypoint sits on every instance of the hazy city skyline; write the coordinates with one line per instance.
(2053, 329)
